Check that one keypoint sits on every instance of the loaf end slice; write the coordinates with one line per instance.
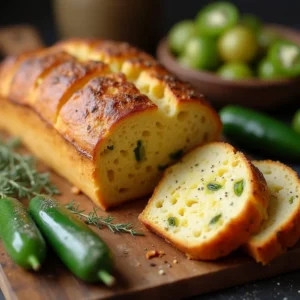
(282, 228)
(209, 203)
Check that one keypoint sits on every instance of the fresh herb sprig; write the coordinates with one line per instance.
(93, 218)
(18, 174)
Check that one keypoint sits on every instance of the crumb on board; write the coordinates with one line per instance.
(75, 190)
(161, 272)
(175, 261)
(167, 264)
(154, 253)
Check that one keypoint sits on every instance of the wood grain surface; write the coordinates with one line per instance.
(137, 277)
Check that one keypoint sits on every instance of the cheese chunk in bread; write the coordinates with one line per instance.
(209, 203)
(104, 115)
(282, 228)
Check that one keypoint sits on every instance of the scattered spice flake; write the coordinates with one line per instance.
(161, 253)
(152, 265)
(75, 190)
(176, 155)
(161, 272)
(161, 168)
(55, 80)
(291, 200)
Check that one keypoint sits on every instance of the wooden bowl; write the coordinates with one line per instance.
(253, 92)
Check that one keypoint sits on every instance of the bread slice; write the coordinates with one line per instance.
(209, 203)
(94, 124)
(282, 228)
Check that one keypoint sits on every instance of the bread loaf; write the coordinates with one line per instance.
(209, 203)
(282, 228)
(104, 115)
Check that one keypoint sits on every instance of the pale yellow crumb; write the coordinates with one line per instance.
(75, 190)
(161, 272)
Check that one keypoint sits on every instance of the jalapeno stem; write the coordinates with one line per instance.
(34, 262)
(107, 278)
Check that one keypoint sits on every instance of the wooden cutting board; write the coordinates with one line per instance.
(137, 277)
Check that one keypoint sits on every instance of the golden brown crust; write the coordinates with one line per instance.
(260, 189)
(49, 146)
(236, 232)
(112, 49)
(280, 241)
(122, 52)
(30, 70)
(183, 91)
(61, 83)
(8, 68)
(90, 113)
(6, 74)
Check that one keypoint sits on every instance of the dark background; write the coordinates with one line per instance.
(287, 12)
(39, 12)
(271, 11)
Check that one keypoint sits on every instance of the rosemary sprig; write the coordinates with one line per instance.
(93, 218)
(18, 174)
(19, 178)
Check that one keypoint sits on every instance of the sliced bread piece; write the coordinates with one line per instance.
(209, 203)
(282, 228)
